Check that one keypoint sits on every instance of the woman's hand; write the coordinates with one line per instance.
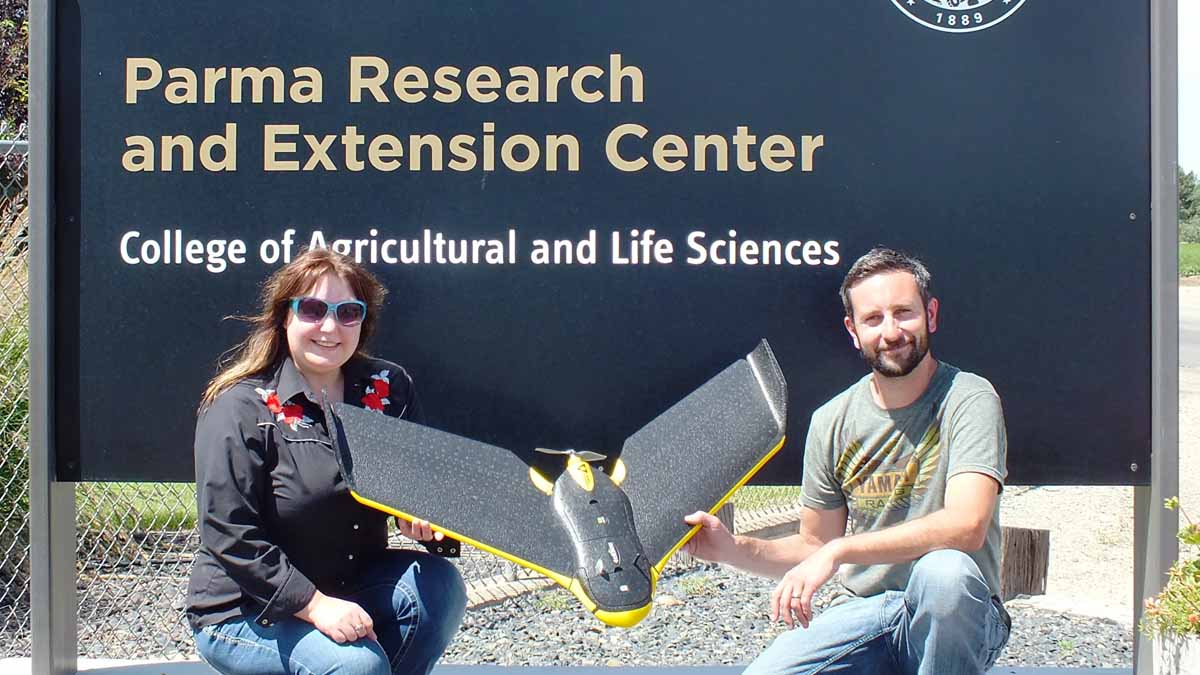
(341, 620)
(418, 529)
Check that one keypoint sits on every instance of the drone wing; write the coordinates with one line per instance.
(694, 456)
(477, 493)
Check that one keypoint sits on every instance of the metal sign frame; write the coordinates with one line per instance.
(52, 503)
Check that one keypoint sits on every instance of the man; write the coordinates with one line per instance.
(912, 456)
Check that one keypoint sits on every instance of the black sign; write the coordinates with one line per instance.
(584, 210)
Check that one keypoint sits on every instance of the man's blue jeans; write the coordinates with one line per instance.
(415, 600)
(944, 623)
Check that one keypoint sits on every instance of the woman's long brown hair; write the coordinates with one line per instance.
(265, 348)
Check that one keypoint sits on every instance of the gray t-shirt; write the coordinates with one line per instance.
(890, 466)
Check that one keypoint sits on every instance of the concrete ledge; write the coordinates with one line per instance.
(194, 667)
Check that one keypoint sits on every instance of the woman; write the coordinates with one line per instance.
(293, 575)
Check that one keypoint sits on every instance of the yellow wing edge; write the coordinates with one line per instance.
(657, 569)
(624, 619)
(621, 619)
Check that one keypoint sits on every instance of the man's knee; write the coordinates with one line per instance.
(944, 581)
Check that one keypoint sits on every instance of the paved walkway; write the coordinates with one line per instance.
(1189, 325)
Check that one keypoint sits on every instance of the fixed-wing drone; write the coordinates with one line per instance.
(604, 536)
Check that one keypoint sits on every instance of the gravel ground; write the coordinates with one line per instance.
(717, 615)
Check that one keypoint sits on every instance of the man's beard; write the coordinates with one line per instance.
(908, 362)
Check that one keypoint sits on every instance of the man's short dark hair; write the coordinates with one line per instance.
(881, 260)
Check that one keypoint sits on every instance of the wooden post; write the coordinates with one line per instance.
(1024, 561)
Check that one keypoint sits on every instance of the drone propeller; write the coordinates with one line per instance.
(585, 455)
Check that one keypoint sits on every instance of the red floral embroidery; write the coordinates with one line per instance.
(272, 402)
(373, 401)
(377, 393)
(291, 414)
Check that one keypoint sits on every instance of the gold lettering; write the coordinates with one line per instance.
(139, 156)
(257, 78)
(808, 147)
(611, 147)
(184, 143)
(308, 87)
(385, 152)
(273, 147)
(182, 87)
(446, 79)
(716, 142)
(667, 151)
(577, 84)
(553, 143)
(134, 82)
(554, 76)
(482, 83)
(373, 83)
(617, 73)
(408, 78)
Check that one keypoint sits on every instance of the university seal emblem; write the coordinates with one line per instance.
(958, 16)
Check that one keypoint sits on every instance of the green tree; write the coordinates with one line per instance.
(14, 61)
(1189, 195)
(1189, 207)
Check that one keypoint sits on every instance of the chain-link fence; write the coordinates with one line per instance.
(14, 392)
(134, 541)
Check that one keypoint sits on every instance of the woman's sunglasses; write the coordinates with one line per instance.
(314, 310)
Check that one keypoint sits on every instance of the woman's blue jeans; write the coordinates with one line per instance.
(944, 623)
(415, 600)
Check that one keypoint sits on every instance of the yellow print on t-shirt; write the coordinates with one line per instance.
(885, 480)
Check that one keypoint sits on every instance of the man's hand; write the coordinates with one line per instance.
(713, 541)
(791, 600)
(341, 620)
(419, 530)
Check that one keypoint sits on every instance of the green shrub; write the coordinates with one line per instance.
(1176, 608)
(1189, 260)
(14, 441)
(1189, 231)
(14, 61)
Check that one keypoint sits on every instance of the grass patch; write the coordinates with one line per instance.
(1189, 259)
(554, 600)
(137, 506)
(696, 585)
